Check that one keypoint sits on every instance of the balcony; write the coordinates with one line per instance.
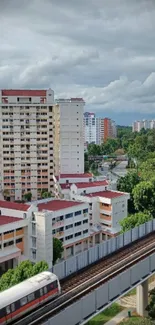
(57, 224)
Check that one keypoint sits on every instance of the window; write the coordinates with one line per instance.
(45, 290)
(12, 307)
(41, 292)
(31, 297)
(19, 240)
(85, 211)
(78, 234)
(69, 215)
(77, 213)
(77, 224)
(85, 221)
(23, 301)
(69, 226)
(8, 311)
(85, 231)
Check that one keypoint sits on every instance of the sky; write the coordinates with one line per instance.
(101, 50)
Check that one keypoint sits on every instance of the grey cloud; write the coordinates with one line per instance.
(101, 50)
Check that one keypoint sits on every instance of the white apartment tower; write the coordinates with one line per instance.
(137, 126)
(71, 150)
(26, 142)
(89, 128)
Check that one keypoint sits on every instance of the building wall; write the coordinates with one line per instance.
(71, 136)
(144, 124)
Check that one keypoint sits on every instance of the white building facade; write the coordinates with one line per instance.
(137, 126)
(71, 135)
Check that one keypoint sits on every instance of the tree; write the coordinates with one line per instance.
(147, 169)
(94, 149)
(28, 196)
(22, 272)
(57, 249)
(127, 184)
(134, 220)
(39, 267)
(5, 280)
(140, 321)
(45, 194)
(151, 307)
(144, 196)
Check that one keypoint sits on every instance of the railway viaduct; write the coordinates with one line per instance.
(94, 279)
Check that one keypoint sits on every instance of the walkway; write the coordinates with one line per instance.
(119, 317)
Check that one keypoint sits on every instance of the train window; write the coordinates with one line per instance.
(23, 301)
(41, 292)
(45, 290)
(12, 307)
(8, 311)
(31, 297)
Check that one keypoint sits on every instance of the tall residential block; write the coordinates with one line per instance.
(26, 142)
(137, 126)
(71, 149)
(98, 129)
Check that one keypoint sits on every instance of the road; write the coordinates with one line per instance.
(120, 170)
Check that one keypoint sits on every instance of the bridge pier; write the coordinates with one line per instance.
(142, 298)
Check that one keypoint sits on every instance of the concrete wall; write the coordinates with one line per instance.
(99, 299)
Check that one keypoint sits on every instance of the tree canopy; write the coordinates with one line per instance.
(57, 249)
(127, 184)
(144, 196)
(134, 220)
(20, 273)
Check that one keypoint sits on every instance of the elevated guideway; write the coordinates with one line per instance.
(108, 271)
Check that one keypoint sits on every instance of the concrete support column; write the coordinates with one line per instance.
(142, 298)
(93, 240)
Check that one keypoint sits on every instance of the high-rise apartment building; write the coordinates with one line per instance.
(26, 142)
(97, 129)
(71, 144)
(110, 130)
(89, 127)
(144, 124)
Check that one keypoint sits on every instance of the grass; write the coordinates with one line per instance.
(106, 315)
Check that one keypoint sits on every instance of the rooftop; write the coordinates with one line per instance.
(4, 220)
(106, 194)
(14, 206)
(23, 92)
(56, 205)
(86, 175)
(92, 184)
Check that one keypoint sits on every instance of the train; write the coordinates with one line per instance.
(28, 295)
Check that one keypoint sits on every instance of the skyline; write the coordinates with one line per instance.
(94, 50)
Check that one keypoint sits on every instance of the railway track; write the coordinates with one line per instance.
(90, 278)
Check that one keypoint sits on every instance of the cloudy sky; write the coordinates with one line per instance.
(101, 50)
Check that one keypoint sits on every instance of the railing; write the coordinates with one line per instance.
(75, 263)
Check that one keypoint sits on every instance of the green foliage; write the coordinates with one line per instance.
(45, 194)
(151, 306)
(22, 272)
(144, 196)
(106, 315)
(57, 249)
(40, 267)
(137, 321)
(147, 169)
(28, 196)
(134, 220)
(127, 184)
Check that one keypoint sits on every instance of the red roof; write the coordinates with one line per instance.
(86, 175)
(4, 220)
(14, 205)
(106, 194)
(23, 92)
(66, 186)
(91, 184)
(56, 205)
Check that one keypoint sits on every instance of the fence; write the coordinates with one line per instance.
(93, 254)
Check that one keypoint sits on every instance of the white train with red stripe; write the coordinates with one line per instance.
(27, 295)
